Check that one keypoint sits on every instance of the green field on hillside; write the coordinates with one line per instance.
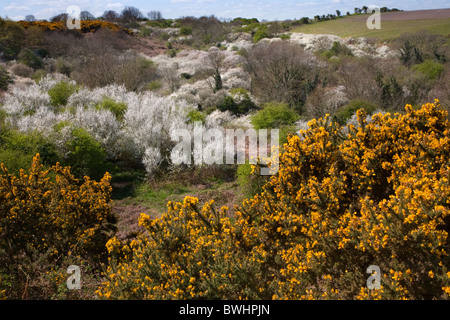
(355, 26)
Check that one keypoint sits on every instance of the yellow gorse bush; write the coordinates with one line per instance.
(374, 194)
(47, 216)
(86, 25)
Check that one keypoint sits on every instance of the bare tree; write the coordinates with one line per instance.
(170, 77)
(358, 76)
(154, 15)
(101, 60)
(86, 15)
(60, 17)
(30, 18)
(110, 15)
(205, 30)
(281, 71)
(130, 14)
(214, 62)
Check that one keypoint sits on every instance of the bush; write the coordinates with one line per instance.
(243, 100)
(154, 85)
(185, 31)
(144, 32)
(22, 70)
(338, 204)
(195, 115)
(337, 49)
(50, 220)
(261, 33)
(431, 69)
(30, 58)
(340, 49)
(85, 155)
(5, 78)
(38, 75)
(274, 115)
(12, 38)
(281, 71)
(250, 183)
(228, 104)
(60, 93)
(63, 66)
(346, 112)
(135, 73)
(18, 149)
(117, 108)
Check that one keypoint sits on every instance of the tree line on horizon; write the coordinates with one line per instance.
(132, 14)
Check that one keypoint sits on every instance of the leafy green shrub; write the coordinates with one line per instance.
(154, 85)
(228, 104)
(431, 69)
(185, 31)
(162, 23)
(340, 49)
(250, 183)
(18, 149)
(85, 155)
(243, 100)
(12, 38)
(285, 36)
(172, 52)
(144, 32)
(60, 93)
(250, 26)
(261, 33)
(117, 108)
(346, 112)
(5, 78)
(164, 36)
(285, 132)
(327, 54)
(30, 58)
(274, 115)
(195, 115)
(337, 49)
(186, 75)
(38, 75)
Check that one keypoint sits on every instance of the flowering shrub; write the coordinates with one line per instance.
(47, 217)
(86, 25)
(377, 195)
(130, 127)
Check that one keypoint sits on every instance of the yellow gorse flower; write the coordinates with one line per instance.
(378, 194)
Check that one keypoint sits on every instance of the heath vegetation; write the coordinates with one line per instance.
(87, 177)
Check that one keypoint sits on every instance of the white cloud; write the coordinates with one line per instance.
(115, 5)
(14, 6)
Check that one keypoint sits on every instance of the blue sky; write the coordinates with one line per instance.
(261, 9)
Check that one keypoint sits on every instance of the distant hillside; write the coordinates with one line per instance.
(392, 24)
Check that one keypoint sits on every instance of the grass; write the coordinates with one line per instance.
(355, 26)
(134, 195)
